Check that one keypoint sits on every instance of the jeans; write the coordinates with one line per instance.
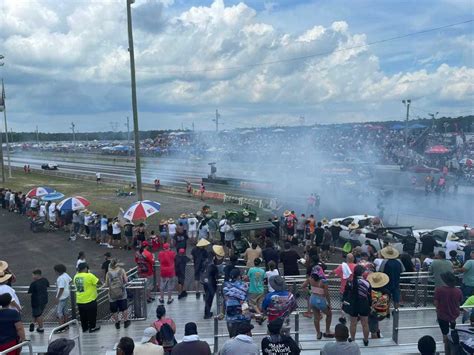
(88, 315)
(209, 292)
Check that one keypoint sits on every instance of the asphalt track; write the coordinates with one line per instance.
(405, 207)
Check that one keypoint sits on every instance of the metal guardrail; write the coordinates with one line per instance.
(78, 336)
(19, 346)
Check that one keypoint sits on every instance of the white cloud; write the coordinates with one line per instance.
(206, 56)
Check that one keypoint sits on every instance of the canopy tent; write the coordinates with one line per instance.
(437, 149)
(397, 126)
(417, 126)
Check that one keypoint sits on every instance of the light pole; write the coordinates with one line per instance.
(2, 103)
(407, 104)
(6, 130)
(128, 136)
(136, 132)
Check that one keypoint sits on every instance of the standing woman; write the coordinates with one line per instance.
(360, 303)
(13, 332)
(320, 301)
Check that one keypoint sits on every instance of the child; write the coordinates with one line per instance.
(39, 299)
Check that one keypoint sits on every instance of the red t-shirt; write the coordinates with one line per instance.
(449, 299)
(166, 258)
(338, 273)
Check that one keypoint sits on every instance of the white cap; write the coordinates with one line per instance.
(148, 333)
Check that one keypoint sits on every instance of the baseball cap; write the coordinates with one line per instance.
(148, 333)
(181, 251)
(145, 244)
(166, 246)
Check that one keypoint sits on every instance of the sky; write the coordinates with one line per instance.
(259, 62)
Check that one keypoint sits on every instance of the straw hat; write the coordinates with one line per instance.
(286, 213)
(170, 221)
(353, 225)
(452, 237)
(203, 243)
(246, 213)
(324, 221)
(378, 279)
(182, 215)
(390, 252)
(218, 250)
(163, 222)
(3, 265)
(4, 276)
(336, 224)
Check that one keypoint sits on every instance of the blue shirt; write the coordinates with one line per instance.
(256, 276)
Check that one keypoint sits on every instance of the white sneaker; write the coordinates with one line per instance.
(110, 246)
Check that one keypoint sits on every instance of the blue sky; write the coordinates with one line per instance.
(68, 61)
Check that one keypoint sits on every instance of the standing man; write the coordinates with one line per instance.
(157, 184)
(210, 276)
(428, 243)
(167, 273)
(318, 235)
(145, 263)
(202, 191)
(180, 267)
(98, 178)
(105, 264)
(468, 277)
(440, 266)
(39, 299)
(86, 297)
(192, 227)
(200, 258)
(256, 276)
(393, 268)
(300, 227)
(289, 259)
(63, 292)
(235, 296)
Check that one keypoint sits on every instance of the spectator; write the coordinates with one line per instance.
(326, 244)
(191, 343)
(440, 266)
(62, 294)
(192, 228)
(318, 235)
(468, 277)
(233, 260)
(256, 277)
(115, 280)
(300, 227)
(251, 254)
(229, 237)
(276, 343)
(427, 345)
(12, 328)
(165, 328)
(61, 346)
(393, 268)
(279, 303)
(235, 295)
(180, 267)
(200, 257)
(39, 299)
(345, 271)
(105, 265)
(380, 305)
(81, 258)
(451, 244)
(270, 254)
(210, 276)
(447, 300)
(242, 343)
(128, 234)
(86, 298)
(167, 273)
(148, 344)
(125, 346)
(320, 301)
(359, 302)
(289, 259)
(428, 243)
(272, 271)
(5, 277)
(145, 264)
(116, 232)
(341, 345)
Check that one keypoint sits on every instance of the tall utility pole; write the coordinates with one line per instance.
(73, 128)
(1, 156)
(6, 130)
(37, 137)
(128, 136)
(216, 120)
(407, 104)
(136, 132)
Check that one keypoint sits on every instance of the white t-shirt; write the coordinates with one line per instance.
(192, 224)
(80, 261)
(87, 220)
(377, 263)
(269, 274)
(116, 228)
(97, 175)
(52, 209)
(222, 223)
(63, 282)
(8, 289)
(103, 224)
(34, 203)
(451, 245)
(148, 349)
(172, 229)
(42, 211)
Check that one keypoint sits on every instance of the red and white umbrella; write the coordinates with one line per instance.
(39, 191)
(73, 203)
(437, 149)
(141, 210)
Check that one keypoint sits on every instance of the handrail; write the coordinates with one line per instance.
(67, 324)
(18, 346)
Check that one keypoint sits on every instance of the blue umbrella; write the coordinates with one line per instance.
(397, 126)
(417, 126)
(52, 196)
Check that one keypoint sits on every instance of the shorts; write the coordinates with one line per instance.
(197, 275)
(444, 325)
(256, 299)
(318, 241)
(361, 309)
(61, 309)
(325, 247)
(395, 295)
(38, 310)
(149, 282)
(117, 236)
(167, 284)
(318, 303)
(181, 279)
(118, 306)
(229, 244)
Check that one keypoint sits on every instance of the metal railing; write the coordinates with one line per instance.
(396, 321)
(19, 346)
(78, 336)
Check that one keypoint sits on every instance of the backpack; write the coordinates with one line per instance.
(166, 337)
(142, 265)
(380, 304)
(116, 285)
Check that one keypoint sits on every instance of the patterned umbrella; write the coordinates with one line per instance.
(39, 191)
(52, 196)
(73, 203)
(141, 210)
